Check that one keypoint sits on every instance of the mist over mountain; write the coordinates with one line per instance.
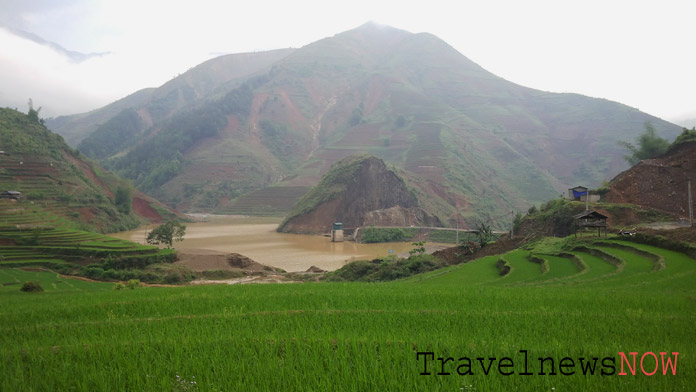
(70, 54)
(251, 133)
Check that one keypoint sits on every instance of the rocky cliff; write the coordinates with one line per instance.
(659, 183)
(357, 191)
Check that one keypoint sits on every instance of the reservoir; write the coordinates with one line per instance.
(256, 238)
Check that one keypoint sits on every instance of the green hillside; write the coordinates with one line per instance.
(561, 312)
(48, 173)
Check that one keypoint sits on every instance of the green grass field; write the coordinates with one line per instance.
(360, 336)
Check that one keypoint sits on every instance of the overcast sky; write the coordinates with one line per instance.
(640, 53)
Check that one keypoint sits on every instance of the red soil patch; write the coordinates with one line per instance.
(86, 214)
(293, 113)
(143, 208)
(232, 125)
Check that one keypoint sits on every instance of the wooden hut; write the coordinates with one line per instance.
(591, 219)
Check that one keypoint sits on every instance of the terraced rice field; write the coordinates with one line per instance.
(612, 297)
(31, 235)
(274, 201)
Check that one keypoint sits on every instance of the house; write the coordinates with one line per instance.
(11, 195)
(580, 193)
(577, 193)
(591, 219)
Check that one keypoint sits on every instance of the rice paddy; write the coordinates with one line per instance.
(366, 336)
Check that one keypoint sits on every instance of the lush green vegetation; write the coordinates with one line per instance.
(159, 158)
(385, 269)
(686, 136)
(120, 132)
(166, 234)
(360, 336)
(649, 145)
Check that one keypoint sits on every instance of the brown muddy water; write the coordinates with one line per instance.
(257, 239)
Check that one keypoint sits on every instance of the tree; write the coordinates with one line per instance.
(124, 199)
(484, 233)
(686, 136)
(166, 234)
(649, 146)
(33, 114)
(419, 248)
(517, 222)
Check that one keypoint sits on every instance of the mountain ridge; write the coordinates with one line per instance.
(467, 136)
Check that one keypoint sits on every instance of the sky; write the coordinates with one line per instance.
(640, 53)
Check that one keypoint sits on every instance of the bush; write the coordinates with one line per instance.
(119, 286)
(32, 287)
(111, 274)
(95, 273)
(133, 283)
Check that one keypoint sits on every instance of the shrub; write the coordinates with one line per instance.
(119, 286)
(173, 278)
(95, 273)
(111, 274)
(133, 283)
(31, 287)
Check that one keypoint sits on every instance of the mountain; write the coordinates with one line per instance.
(47, 172)
(208, 80)
(254, 137)
(357, 191)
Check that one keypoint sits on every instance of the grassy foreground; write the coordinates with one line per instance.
(364, 336)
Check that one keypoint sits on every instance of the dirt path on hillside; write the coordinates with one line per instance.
(315, 126)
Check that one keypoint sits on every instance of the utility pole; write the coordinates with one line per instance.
(691, 203)
(512, 226)
(457, 229)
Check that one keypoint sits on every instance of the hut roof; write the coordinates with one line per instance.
(590, 215)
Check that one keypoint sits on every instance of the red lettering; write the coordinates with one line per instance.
(641, 363)
(669, 363)
(631, 369)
